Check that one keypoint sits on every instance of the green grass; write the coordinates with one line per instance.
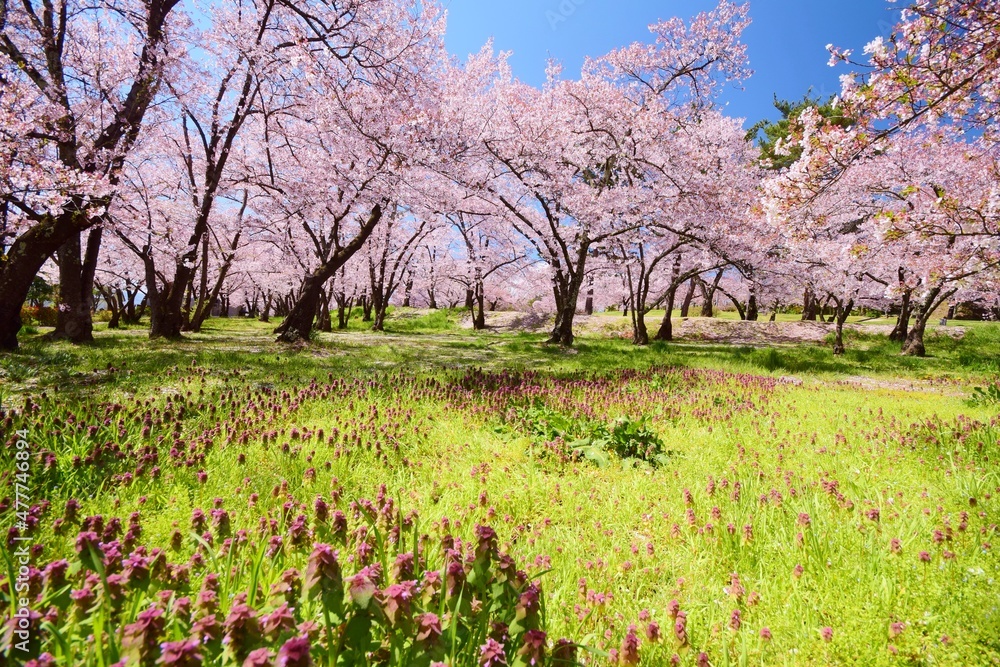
(835, 458)
(427, 341)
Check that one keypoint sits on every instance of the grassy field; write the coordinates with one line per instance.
(677, 504)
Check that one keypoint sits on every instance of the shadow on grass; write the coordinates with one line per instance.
(430, 342)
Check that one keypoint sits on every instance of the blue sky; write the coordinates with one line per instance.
(786, 41)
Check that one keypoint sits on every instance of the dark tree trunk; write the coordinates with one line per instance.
(408, 291)
(113, 297)
(588, 307)
(265, 313)
(204, 302)
(323, 320)
(378, 311)
(842, 312)
(809, 304)
(753, 310)
(283, 305)
(74, 320)
(167, 308)
(638, 293)
(914, 345)
(478, 302)
(71, 318)
(129, 314)
(345, 305)
(566, 287)
(204, 305)
(567, 293)
(115, 321)
(707, 298)
(468, 298)
(479, 317)
(666, 330)
(902, 329)
(380, 306)
(188, 304)
(380, 300)
(479, 321)
(298, 325)
(640, 334)
(366, 308)
(708, 294)
(90, 258)
(164, 301)
(161, 324)
(688, 298)
(563, 333)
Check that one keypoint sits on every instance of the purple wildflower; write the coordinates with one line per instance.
(532, 651)
(278, 622)
(428, 628)
(294, 653)
(180, 654)
(629, 653)
(491, 654)
(396, 601)
(259, 658)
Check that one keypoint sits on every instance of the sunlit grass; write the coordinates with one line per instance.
(835, 459)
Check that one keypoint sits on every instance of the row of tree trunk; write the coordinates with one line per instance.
(909, 335)
(76, 322)
(911, 323)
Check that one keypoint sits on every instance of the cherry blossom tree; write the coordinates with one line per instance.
(930, 82)
(923, 199)
(488, 249)
(120, 282)
(565, 165)
(941, 62)
(349, 162)
(228, 79)
(701, 193)
(71, 108)
(937, 70)
(938, 230)
(155, 215)
(389, 257)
